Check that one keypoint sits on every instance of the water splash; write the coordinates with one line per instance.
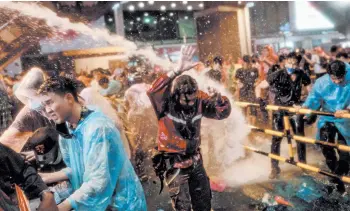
(227, 135)
(56, 23)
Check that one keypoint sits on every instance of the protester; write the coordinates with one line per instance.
(14, 170)
(343, 57)
(179, 106)
(109, 87)
(216, 72)
(287, 83)
(247, 77)
(267, 59)
(335, 49)
(97, 165)
(31, 117)
(316, 62)
(326, 95)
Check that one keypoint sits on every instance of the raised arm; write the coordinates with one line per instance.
(160, 89)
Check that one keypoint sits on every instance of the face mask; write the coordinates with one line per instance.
(35, 105)
(290, 70)
(288, 65)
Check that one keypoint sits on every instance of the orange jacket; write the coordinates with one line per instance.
(175, 133)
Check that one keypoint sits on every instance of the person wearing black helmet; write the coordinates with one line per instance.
(287, 84)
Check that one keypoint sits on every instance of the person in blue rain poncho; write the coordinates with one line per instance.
(98, 169)
(331, 93)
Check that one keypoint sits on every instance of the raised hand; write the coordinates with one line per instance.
(185, 62)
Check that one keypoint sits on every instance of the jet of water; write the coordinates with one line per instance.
(33, 10)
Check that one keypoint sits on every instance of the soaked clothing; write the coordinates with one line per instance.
(287, 91)
(297, 125)
(328, 133)
(14, 170)
(178, 132)
(189, 188)
(29, 120)
(98, 168)
(247, 77)
(330, 97)
(178, 154)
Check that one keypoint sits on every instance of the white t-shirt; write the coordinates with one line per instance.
(317, 66)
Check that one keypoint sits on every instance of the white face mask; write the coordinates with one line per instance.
(35, 105)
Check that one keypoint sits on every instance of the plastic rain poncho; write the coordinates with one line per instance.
(98, 168)
(26, 91)
(92, 97)
(331, 97)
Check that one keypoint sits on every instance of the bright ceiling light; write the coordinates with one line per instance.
(162, 18)
(131, 7)
(173, 5)
(131, 22)
(110, 19)
(154, 22)
(184, 2)
(138, 18)
(171, 14)
(151, 2)
(201, 5)
(147, 20)
(186, 17)
(162, 8)
(141, 4)
(145, 14)
(189, 7)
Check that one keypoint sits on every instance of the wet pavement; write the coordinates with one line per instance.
(304, 191)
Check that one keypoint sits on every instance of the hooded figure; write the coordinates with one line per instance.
(31, 117)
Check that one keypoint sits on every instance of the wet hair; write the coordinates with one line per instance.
(292, 55)
(334, 48)
(184, 84)
(103, 80)
(342, 54)
(247, 59)
(282, 57)
(337, 68)
(60, 85)
(218, 60)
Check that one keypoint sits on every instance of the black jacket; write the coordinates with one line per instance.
(14, 170)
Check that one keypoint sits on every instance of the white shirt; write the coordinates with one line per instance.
(317, 66)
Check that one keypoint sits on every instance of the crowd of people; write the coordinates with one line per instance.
(79, 141)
